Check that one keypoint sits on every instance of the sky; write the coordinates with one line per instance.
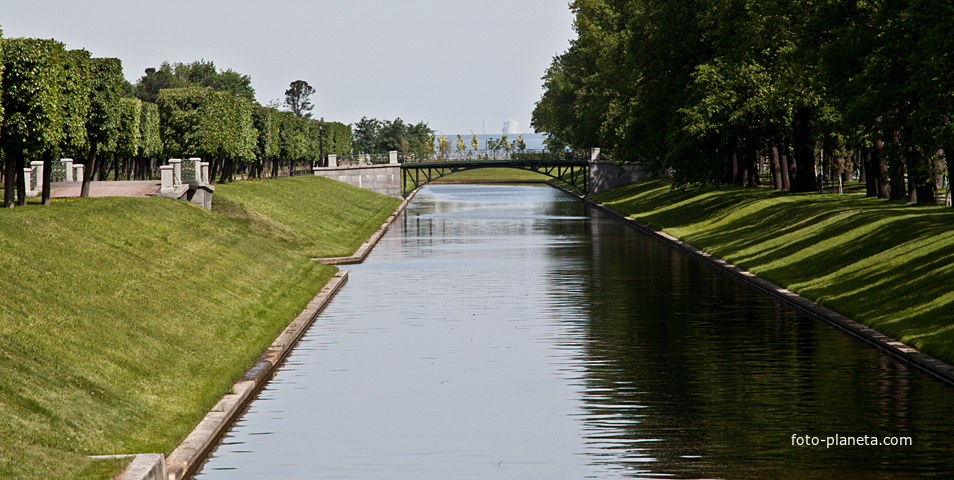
(456, 65)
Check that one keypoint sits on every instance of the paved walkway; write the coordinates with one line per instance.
(142, 188)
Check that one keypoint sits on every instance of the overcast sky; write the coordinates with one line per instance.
(457, 65)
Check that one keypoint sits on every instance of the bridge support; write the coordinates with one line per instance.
(573, 172)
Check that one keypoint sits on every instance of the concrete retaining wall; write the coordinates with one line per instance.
(605, 175)
(384, 179)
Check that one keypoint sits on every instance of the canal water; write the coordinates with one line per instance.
(509, 332)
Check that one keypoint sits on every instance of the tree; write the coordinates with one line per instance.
(473, 142)
(443, 146)
(266, 122)
(76, 101)
(151, 144)
(297, 98)
(149, 85)
(102, 125)
(366, 134)
(461, 146)
(31, 101)
(199, 73)
(129, 137)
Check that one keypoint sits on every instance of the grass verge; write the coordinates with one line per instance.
(123, 321)
(889, 265)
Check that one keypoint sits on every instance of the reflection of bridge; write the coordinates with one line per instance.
(573, 172)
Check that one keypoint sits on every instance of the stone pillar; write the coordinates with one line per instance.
(27, 180)
(198, 170)
(595, 154)
(176, 164)
(165, 178)
(204, 169)
(332, 160)
(69, 169)
(38, 166)
(78, 171)
(392, 155)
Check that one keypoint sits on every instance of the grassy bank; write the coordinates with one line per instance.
(888, 265)
(123, 321)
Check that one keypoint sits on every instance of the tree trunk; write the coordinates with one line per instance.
(864, 163)
(869, 171)
(213, 169)
(734, 169)
(776, 167)
(21, 186)
(805, 180)
(881, 173)
(47, 178)
(897, 180)
(88, 171)
(786, 169)
(9, 177)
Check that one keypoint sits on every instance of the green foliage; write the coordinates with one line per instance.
(32, 95)
(337, 138)
(129, 138)
(690, 83)
(2, 66)
(266, 122)
(382, 136)
(241, 138)
(180, 116)
(294, 142)
(155, 80)
(102, 125)
(76, 92)
(199, 73)
(151, 143)
(366, 133)
(200, 122)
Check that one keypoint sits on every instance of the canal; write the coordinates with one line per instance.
(510, 332)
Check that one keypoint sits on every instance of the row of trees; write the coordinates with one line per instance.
(378, 137)
(238, 135)
(710, 87)
(199, 73)
(57, 103)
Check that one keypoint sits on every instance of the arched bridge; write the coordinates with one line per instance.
(397, 179)
(574, 172)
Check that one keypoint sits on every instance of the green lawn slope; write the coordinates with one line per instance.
(889, 265)
(123, 321)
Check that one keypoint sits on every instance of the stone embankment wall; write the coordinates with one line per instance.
(384, 179)
(606, 175)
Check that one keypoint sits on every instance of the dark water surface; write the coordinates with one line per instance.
(508, 332)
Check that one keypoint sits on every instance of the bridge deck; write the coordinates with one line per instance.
(574, 172)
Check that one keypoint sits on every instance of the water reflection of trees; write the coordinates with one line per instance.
(687, 372)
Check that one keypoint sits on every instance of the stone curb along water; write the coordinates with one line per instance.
(933, 366)
(191, 453)
(366, 247)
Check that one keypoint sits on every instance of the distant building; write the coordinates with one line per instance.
(511, 127)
